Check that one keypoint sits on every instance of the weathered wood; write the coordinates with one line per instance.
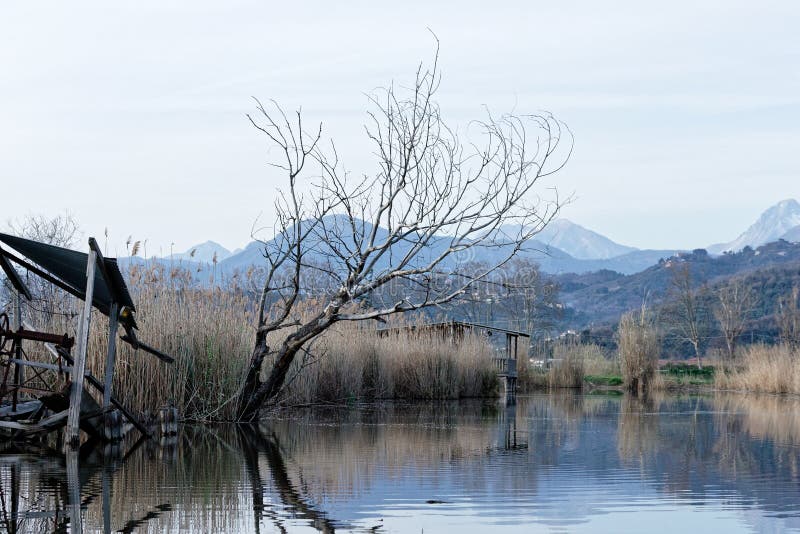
(42, 365)
(73, 421)
(111, 356)
(90, 422)
(168, 420)
(22, 409)
(74, 492)
(95, 383)
(47, 424)
(18, 349)
(136, 344)
(113, 427)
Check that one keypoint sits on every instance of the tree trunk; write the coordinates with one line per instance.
(255, 393)
(696, 345)
(247, 409)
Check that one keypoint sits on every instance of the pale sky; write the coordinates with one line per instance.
(686, 115)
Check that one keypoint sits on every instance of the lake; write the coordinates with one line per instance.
(548, 463)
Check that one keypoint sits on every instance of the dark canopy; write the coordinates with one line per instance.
(69, 266)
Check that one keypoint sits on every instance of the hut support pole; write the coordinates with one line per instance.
(79, 368)
(112, 353)
(18, 353)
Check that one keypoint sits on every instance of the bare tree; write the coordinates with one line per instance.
(788, 318)
(734, 304)
(62, 231)
(689, 316)
(401, 230)
(530, 299)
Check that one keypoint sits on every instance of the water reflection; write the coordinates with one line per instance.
(552, 463)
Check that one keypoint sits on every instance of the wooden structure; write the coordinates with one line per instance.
(98, 282)
(505, 359)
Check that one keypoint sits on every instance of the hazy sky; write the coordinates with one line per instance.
(686, 115)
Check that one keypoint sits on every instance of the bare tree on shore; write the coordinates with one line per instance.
(735, 303)
(689, 316)
(433, 203)
(788, 318)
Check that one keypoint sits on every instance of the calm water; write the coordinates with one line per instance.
(564, 463)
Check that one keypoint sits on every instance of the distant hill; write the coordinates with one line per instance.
(562, 247)
(579, 242)
(203, 253)
(600, 298)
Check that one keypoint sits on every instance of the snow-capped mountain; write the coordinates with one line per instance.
(793, 235)
(773, 224)
(204, 253)
(579, 242)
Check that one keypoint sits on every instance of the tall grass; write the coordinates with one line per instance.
(568, 367)
(352, 362)
(765, 369)
(570, 363)
(639, 349)
(210, 333)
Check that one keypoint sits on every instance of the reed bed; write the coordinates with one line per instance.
(210, 333)
(763, 369)
(351, 362)
(639, 350)
(571, 364)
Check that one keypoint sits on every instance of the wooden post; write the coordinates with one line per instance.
(113, 322)
(74, 491)
(106, 482)
(79, 368)
(18, 353)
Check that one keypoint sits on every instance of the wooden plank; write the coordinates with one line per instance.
(45, 425)
(13, 276)
(73, 421)
(111, 356)
(42, 365)
(95, 383)
(136, 344)
(22, 407)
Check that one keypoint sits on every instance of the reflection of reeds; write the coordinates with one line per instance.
(637, 430)
(768, 369)
(763, 416)
(339, 454)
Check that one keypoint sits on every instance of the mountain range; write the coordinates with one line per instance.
(562, 247)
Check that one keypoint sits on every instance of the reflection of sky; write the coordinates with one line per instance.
(556, 501)
(582, 485)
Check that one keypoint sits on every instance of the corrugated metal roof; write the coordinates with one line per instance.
(69, 266)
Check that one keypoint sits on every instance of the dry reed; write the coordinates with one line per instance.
(764, 369)
(351, 362)
(639, 349)
(210, 333)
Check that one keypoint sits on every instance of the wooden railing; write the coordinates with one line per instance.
(506, 366)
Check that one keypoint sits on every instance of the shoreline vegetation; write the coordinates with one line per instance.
(209, 331)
